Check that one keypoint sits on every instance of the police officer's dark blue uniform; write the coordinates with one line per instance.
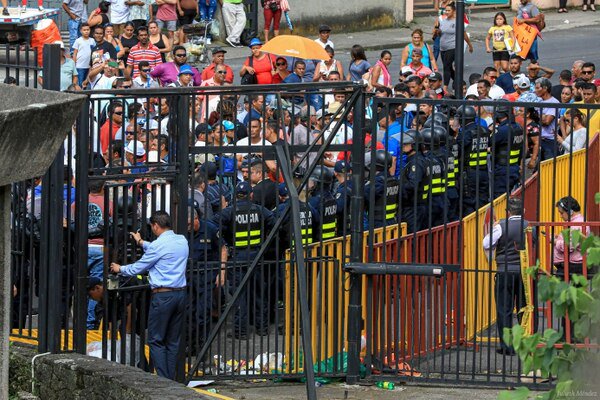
(322, 200)
(245, 225)
(384, 204)
(343, 194)
(214, 190)
(507, 149)
(207, 254)
(414, 184)
(308, 226)
(437, 164)
(473, 142)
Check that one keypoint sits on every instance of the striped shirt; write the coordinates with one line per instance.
(139, 53)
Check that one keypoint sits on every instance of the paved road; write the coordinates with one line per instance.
(558, 50)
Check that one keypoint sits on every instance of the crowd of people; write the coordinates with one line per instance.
(426, 164)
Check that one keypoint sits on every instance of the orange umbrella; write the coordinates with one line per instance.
(295, 46)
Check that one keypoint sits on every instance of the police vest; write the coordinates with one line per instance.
(306, 225)
(478, 149)
(509, 244)
(509, 151)
(328, 213)
(247, 227)
(438, 175)
(386, 205)
(451, 162)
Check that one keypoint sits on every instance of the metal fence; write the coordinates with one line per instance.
(273, 285)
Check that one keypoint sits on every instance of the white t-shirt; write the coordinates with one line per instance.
(84, 51)
(323, 45)
(119, 12)
(496, 92)
(575, 141)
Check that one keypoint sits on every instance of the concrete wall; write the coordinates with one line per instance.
(74, 376)
(547, 4)
(344, 15)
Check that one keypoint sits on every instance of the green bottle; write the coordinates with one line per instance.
(386, 385)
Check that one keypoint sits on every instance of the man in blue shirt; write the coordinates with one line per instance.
(165, 259)
(296, 77)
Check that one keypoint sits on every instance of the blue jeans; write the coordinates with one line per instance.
(74, 26)
(95, 269)
(533, 51)
(548, 149)
(207, 12)
(436, 47)
(82, 73)
(165, 319)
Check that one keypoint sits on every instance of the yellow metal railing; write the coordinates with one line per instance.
(328, 296)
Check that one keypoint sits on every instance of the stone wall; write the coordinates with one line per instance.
(75, 376)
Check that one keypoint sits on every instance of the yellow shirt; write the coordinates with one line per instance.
(499, 35)
(594, 120)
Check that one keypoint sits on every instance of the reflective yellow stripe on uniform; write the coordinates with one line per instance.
(478, 159)
(391, 207)
(514, 156)
(244, 236)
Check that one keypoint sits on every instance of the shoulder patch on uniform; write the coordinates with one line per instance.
(338, 195)
(413, 168)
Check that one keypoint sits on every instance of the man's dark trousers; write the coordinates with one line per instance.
(509, 293)
(164, 330)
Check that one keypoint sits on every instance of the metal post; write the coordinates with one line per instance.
(356, 218)
(459, 60)
(81, 296)
(5, 287)
(180, 116)
(52, 227)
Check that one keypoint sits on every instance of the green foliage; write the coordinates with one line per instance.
(548, 355)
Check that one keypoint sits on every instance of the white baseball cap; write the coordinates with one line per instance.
(521, 81)
(135, 147)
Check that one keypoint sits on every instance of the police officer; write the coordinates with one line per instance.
(382, 205)
(209, 261)
(507, 150)
(245, 225)
(507, 238)
(343, 194)
(473, 143)
(322, 200)
(308, 225)
(414, 183)
(450, 149)
(216, 192)
(430, 148)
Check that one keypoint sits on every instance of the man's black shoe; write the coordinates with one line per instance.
(5, 12)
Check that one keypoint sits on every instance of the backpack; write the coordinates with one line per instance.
(541, 24)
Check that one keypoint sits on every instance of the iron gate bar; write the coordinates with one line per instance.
(81, 242)
(352, 101)
(301, 269)
(412, 269)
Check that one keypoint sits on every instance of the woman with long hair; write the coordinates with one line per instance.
(417, 42)
(159, 40)
(380, 76)
(128, 38)
(325, 67)
(100, 15)
(502, 36)
(109, 36)
(447, 29)
(359, 64)
(280, 72)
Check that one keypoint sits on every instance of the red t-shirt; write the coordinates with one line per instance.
(263, 68)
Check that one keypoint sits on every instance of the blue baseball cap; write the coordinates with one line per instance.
(342, 166)
(283, 190)
(255, 42)
(243, 189)
(185, 69)
(228, 125)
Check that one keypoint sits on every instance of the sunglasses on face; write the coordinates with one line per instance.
(145, 70)
(129, 132)
(126, 86)
(587, 72)
(280, 64)
(221, 72)
(180, 55)
(118, 113)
